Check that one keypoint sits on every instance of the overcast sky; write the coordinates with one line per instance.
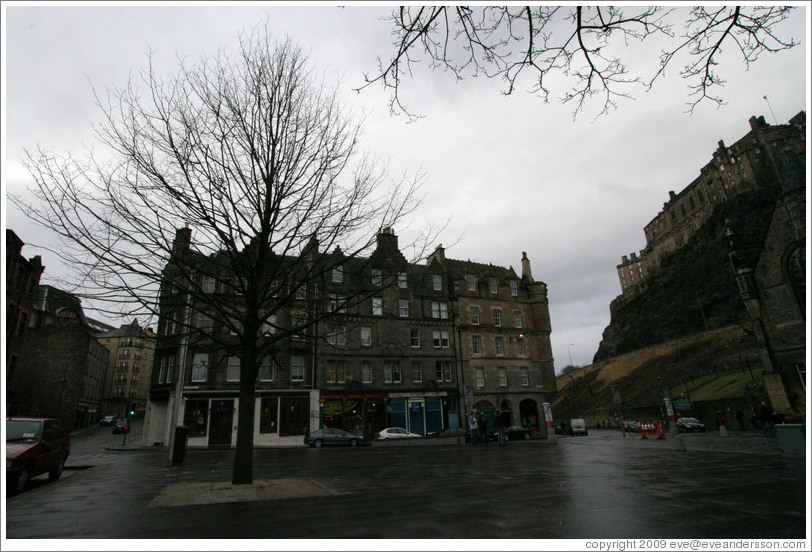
(516, 174)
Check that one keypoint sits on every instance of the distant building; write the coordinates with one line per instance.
(22, 278)
(762, 158)
(126, 386)
(65, 364)
(406, 354)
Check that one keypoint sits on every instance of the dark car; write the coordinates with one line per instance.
(330, 436)
(688, 425)
(108, 420)
(122, 426)
(34, 446)
(513, 433)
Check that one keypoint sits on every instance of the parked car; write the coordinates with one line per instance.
(34, 446)
(108, 420)
(630, 425)
(330, 436)
(122, 426)
(395, 433)
(515, 433)
(688, 425)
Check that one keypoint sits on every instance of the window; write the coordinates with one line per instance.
(497, 317)
(377, 306)
(134, 380)
(204, 322)
(366, 336)
(336, 371)
(391, 371)
(436, 282)
(471, 281)
(503, 382)
(520, 348)
(195, 416)
(517, 319)
(298, 323)
(514, 288)
(200, 364)
(233, 369)
(442, 370)
(124, 353)
(493, 284)
(440, 338)
(366, 371)
(165, 368)
(207, 284)
(294, 415)
(338, 275)
(417, 371)
(476, 345)
(123, 366)
(336, 303)
(525, 377)
(475, 316)
(403, 308)
(297, 366)
(269, 325)
(414, 338)
(266, 369)
(301, 292)
(377, 280)
(337, 335)
(403, 282)
(135, 367)
(235, 327)
(480, 376)
(499, 342)
(268, 414)
(439, 309)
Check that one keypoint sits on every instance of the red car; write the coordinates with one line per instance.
(34, 446)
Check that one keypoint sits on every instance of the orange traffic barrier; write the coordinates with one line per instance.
(650, 428)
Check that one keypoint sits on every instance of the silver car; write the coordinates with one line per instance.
(331, 436)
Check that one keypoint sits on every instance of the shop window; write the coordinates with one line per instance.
(268, 414)
(195, 416)
(294, 416)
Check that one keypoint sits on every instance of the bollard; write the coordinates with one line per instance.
(679, 444)
(720, 420)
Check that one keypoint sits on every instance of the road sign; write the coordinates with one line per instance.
(683, 405)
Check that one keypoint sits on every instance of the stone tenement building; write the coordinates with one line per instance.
(22, 279)
(764, 157)
(126, 386)
(398, 344)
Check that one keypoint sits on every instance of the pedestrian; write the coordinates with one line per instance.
(766, 417)
(472, 422)
(740, 417)
(499, 423)
(483, 428)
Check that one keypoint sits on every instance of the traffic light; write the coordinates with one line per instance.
(132, 409)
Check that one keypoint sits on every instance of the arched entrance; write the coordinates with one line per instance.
(484, 407)
(529, 413)
(506, 410)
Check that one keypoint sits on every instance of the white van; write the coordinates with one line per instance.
(577, 426)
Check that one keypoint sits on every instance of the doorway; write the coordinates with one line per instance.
(222, 416)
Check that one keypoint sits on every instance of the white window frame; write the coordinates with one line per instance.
(297, 366)
(436, 282)
(403, 308)
(521, 349)
(233, 369)
(493, 284)
(208, 284)
(439, 309)
(497, 317)
(479, 374)
(514, 287)
(525, 373)
(476, 345)
(471, 281)
(200, 367)
(366, 336)
(517, 319)
(417, 371)
(338, 275)
(269, 325)
(403, 281)
(475, 316)
(377, 277)
(377, 306)
(440, 339)
(266, 368)
(414, 338)
(337, 335)
(503, 379)
(366, 371)
(499, 344)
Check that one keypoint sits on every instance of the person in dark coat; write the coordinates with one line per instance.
(499, 423)
(740, 417)
(483, 428)
(765, 414)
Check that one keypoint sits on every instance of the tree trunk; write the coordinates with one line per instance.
(243, 472)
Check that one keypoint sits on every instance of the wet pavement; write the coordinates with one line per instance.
(599, 486)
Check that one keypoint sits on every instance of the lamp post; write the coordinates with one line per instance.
(570, 353)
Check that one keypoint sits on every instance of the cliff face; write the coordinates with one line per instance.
(694, 291)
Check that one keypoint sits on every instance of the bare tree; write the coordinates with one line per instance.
(578, 48)
(259, 160)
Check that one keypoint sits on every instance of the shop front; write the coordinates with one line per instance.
(423, 414)
(361, 414)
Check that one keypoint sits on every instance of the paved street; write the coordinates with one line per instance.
(599, 486)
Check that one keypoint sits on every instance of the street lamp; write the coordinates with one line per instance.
(569, 353)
